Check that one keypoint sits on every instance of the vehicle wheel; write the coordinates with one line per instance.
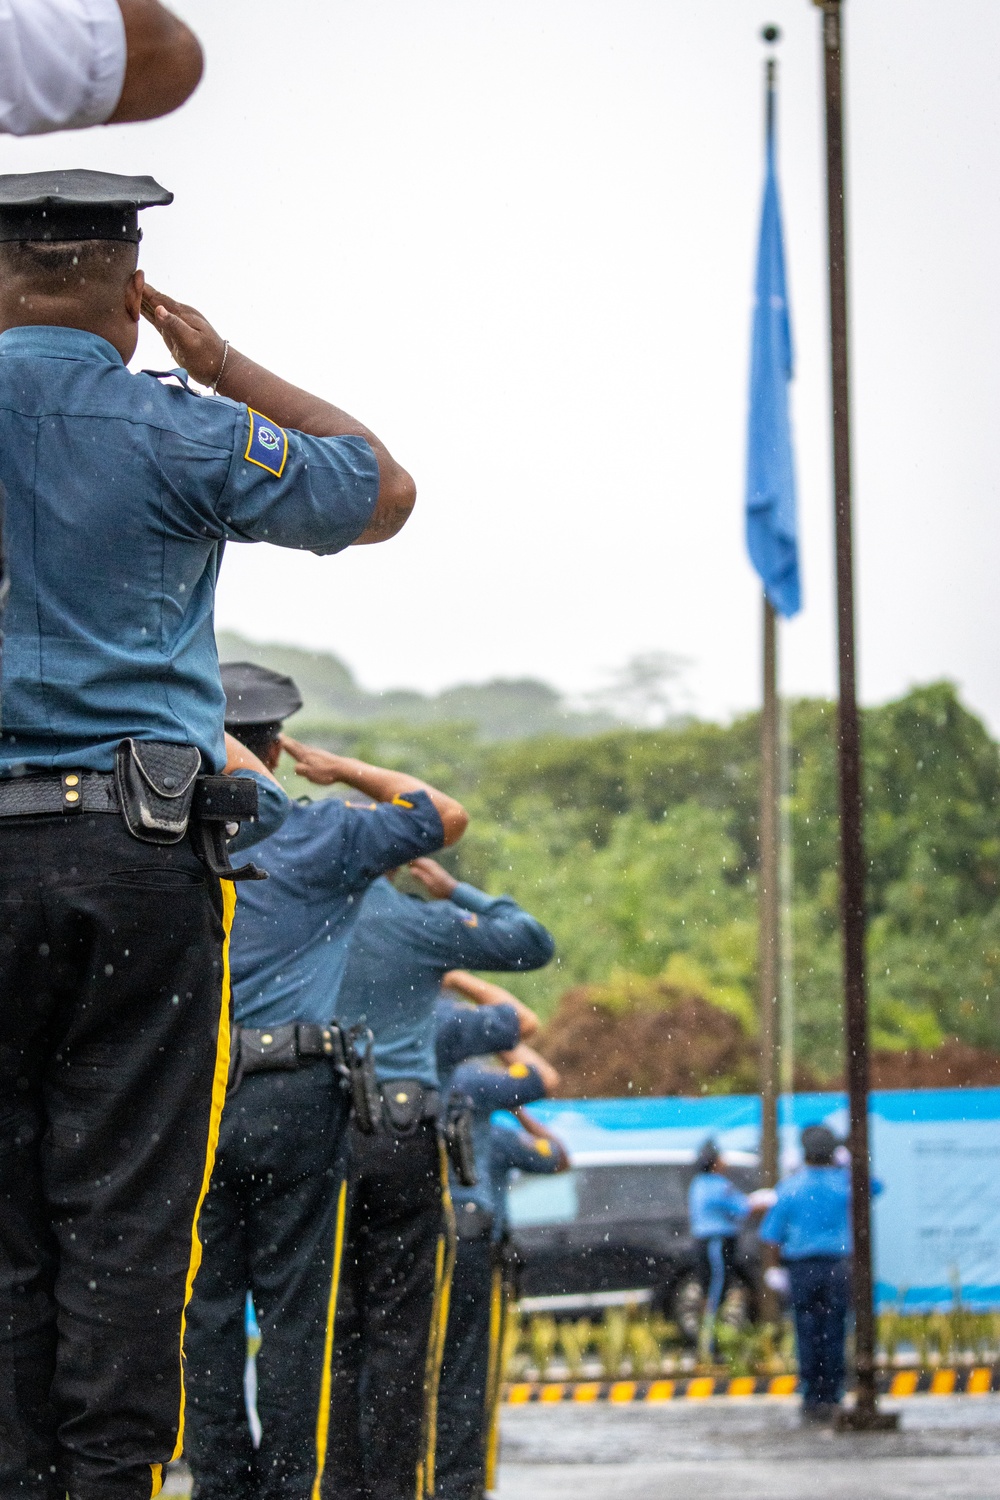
(687, 1308)
(737, 1306)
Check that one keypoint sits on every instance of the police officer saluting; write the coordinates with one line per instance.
(274, 1220)
(121, 491)
(399, 1252)
(471, 1356)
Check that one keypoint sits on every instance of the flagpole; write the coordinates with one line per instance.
(865, 1414)
(768, 902)
(772, 543)
(769, 908)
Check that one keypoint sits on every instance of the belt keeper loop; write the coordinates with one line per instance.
(72, 790)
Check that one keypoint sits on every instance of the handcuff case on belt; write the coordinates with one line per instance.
(161, 793)
(155, 785)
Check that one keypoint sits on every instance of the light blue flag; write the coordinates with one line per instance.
(772, 533)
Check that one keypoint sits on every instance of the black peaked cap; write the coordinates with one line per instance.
(819, 1143)
(256, 695)
(76, 205)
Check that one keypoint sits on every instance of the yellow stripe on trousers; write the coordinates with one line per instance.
(219, 1080)
(323, 1410)
(444, 1267)
(494, 1373)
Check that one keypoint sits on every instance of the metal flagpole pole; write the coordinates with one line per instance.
(865, 1414)
(768, 907)
(768, 918)
(768, 904)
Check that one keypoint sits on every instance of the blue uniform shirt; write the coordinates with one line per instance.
(402, 948)
(273, 807)
(291, 932)
(490, 1087)
(463, 1030)
(515, 1150)
(121, 492)
(715, 1206)
(812, 1214)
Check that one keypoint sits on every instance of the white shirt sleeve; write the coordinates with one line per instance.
(62, 64)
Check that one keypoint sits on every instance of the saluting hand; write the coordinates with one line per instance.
(434, 876)
(319, 766)
(188, 335)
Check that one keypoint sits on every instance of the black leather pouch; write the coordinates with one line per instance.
(404, 1101)
(156, 785)
(472, 1221)
(271, 1051)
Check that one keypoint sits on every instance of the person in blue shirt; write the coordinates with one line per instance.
(273, 1221)
(809, 1224)
(717, 1212)
(122, 490)
(398, 1258)
(470, 1356)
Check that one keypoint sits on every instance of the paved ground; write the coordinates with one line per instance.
(948, 1449)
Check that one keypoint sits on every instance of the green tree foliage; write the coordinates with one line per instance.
(640, 846)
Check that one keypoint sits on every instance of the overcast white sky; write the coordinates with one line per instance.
(517, 239)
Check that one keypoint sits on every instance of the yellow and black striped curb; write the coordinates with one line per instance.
(978, 1380)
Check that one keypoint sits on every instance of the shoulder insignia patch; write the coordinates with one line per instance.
(360, 806)
(267, 445)
(543, 1148)
(400, 801)
(519, 1070)
(470, 919)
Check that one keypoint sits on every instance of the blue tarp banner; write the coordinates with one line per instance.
(936, 1151)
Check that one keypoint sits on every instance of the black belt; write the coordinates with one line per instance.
(70, 792)
(282, 1049)
(273, 1048)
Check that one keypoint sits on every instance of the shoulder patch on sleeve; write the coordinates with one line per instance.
(470, 919)
(267, 445)
(400, 801)
(518, 1070)
(543, 1148)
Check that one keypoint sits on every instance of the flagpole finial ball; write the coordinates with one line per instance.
(770, 33)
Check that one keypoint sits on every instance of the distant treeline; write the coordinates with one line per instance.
(639, 849)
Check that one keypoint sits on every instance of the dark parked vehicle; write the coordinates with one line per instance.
(617, 1223)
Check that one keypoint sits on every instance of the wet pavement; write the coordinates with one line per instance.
(948, 1448)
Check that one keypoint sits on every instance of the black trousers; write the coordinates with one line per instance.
(391, 1318)
(820, 1295)
(112, 1073)
(273, 1224)
(471, 1357)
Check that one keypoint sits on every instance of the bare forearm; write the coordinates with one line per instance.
(200, 350)
(288, 405)
(325, 769)
(483, 992)
(480, 991)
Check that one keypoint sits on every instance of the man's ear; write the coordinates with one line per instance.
(133, 295)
